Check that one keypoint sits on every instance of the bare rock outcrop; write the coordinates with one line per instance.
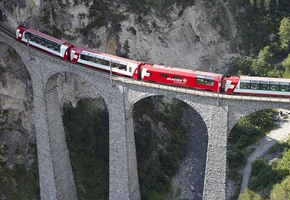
(18, 153)
(187, 37)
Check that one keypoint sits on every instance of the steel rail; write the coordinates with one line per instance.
(7, 31)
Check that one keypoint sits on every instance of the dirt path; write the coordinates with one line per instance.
(278, 134)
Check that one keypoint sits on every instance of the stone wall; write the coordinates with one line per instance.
(219, 116)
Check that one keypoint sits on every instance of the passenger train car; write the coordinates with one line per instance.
(107, 62)
(181, 77)
(251, 85)
(245, 85)
(44, 42)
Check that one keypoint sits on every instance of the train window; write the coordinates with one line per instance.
(84, 57)
(27, 35)
(92, 59)
(177, 77)
(130, 69)
(274, 86)
(99, 61)
(42, 41)
(164, 75)
(200, 79)
(264, 85)
(284, 87)
(119, 66)
(254, 86)
(244, 85)
(106, 62)
(209, 80)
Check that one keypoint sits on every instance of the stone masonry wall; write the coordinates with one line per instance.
(120, 99)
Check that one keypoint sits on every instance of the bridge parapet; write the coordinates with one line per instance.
(220, 113)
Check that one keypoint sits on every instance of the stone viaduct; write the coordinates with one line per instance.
(219, 112)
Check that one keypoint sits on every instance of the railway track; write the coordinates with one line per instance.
(6, 29)
(11, 33)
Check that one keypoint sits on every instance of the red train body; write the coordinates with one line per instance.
(181, 77)
(247, 85)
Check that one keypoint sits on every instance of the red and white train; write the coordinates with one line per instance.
(249, 85)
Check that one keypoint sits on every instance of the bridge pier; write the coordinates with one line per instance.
(45, 162)
(123, 167)
(215, 175)
(63, 175)
(124, 183)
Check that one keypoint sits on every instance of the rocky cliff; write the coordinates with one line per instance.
(193, 36)
(18, 157)
(197, 36)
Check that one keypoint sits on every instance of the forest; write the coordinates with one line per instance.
(265, 39)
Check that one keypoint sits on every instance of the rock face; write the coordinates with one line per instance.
(199, 36)
(184, 38)
(18, 159)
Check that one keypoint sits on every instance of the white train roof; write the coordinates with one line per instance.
(48, 37)
(255, 78)
(104, 55)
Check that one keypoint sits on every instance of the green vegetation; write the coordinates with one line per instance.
(249, 195)
(269, 19)
(281, 190)
(18, 181)
(87, 133)
(273, 60)
(279, 147)
(271, 181)
(258, 22)
(56, 32)
(158, 153)
(101, 14)
(263, 177)
(12, 53)
(126, 49)
(245, 133)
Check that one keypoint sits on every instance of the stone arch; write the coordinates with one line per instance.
(244, 111)
(60, 88)
(198, 142)
(235, 156)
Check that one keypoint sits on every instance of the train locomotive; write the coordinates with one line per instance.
(214, 82)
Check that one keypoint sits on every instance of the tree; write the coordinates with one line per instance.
(249, 195)
(284, 163)
(286, 63)
(281, 191)
(261, 65)
(126, 49)
(284, 32)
